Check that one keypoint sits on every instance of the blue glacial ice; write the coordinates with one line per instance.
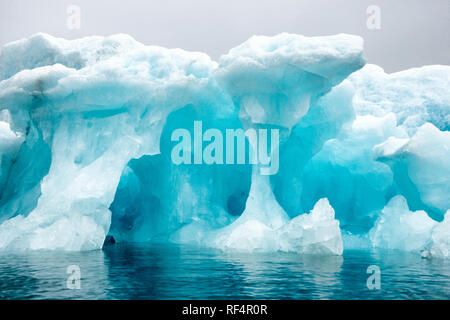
(399, 228)
(85, 147)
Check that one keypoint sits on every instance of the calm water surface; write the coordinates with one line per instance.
(136, 271)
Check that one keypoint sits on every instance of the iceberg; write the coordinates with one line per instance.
(399, 228)
(86, 146)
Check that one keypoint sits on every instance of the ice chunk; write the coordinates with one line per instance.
(273, 80)
(314, 233)
(85, 145)
(45, 50)
(399, 228)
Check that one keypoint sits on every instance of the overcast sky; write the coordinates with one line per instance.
(413, 32)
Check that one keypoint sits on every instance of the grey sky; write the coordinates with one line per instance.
(413, 32)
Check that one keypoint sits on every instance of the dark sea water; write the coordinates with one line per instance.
(136, 271)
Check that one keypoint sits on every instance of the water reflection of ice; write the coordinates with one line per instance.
(264, 275)
(142, 271)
